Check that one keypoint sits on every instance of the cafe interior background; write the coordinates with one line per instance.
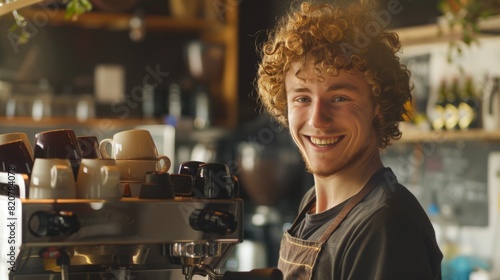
(186, 74)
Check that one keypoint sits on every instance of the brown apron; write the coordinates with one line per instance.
(298, 256)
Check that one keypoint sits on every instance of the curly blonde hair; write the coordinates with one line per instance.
(332, 36)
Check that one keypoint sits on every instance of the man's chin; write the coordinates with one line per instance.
(319, 172)
(322, 173)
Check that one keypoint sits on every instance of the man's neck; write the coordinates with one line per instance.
(335, 189)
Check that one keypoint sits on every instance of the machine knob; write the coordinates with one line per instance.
(213, 221)
(58, 223)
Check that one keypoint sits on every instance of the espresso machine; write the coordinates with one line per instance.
(187, 235)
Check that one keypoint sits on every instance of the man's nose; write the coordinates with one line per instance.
(321, 115)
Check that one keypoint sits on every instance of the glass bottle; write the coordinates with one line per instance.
(437, 118)
(468, 107)
(451, 107)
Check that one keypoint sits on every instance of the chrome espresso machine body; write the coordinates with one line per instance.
(143, 239)
(136, 238)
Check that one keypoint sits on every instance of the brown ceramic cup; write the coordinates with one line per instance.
(15, 157)
(89, 146)
(7, 137)
(61, 144)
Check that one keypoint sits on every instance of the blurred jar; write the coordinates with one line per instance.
(270, 167)
(85, 108)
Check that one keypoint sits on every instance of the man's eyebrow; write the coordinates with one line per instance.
(342, 85)
(298, 89)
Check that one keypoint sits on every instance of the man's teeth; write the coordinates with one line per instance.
(324, 141)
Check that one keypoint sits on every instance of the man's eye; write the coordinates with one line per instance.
(339, 99)
(302, 99)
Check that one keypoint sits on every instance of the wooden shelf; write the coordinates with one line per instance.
(120, 21)
(416, 136)
(10, 6)
(23, 122)
(440, 32)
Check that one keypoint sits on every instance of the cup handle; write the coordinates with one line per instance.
(104, 174)
(166, 163)
(102, 147)
(58, 174)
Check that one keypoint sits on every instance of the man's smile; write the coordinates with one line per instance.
(323, 142)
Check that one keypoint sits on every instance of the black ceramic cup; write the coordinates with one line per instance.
(89, 146)
(15, 157)
(59, 143)
(215, 181)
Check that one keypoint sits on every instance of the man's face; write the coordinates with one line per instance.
(331, 121)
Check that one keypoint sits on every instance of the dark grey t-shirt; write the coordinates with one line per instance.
(386, 236)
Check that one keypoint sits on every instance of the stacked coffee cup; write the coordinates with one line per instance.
(16, 156)
(135, 154)
(16, 153)
(67, 167)
(57, 158)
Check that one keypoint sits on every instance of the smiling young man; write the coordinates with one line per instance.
(342, 99)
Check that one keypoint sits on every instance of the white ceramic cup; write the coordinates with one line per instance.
(98, 179)
(52, 178)
(7, 137)
(129, 144)
(135, 169)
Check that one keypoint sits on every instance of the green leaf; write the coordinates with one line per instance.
(74, 8)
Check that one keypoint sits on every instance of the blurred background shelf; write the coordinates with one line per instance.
(10, 6)
(66, 52)
(415, 136)
(439, 31)
(121, 21)
(104, 123)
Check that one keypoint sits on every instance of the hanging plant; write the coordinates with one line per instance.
(463, 16)
(74, 8)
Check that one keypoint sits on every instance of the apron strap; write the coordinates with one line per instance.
(370, 185)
